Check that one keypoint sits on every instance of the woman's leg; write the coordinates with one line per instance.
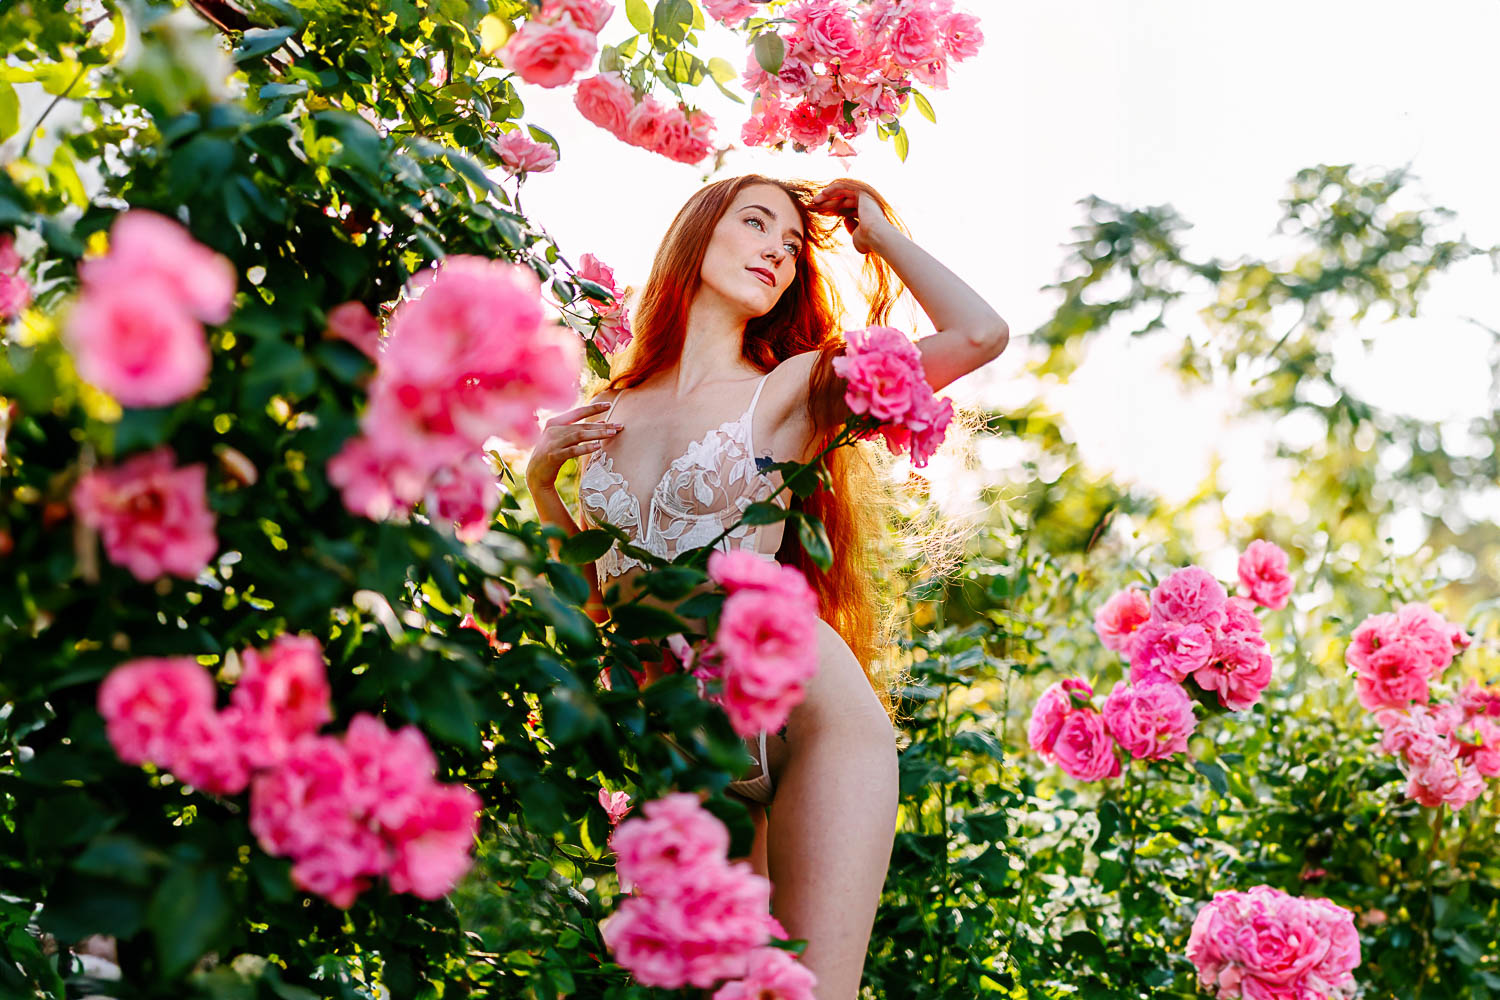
(833, 818)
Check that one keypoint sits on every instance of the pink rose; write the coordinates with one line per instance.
(590, 15)
(1430, 633)
(927, 424)
(767, 124)
(1169, 650)
(1052, 708)
(15, 295)
(137, 345)
(675, 833)
(147, 249)
(148, 703)
(640, 935)
(591, 268)
(1190, 596)
(825, 26)
(151, 514)
(1443, 780)
(614, 804)
(1151, 721)
(960, 35)
(647, 122)
(431, 848)
(1393, 677)
(1266, 945)
(391, 771)
(731, 12)
(1483, 751)
(282, 695)
(352, 322)
(1120, 616)
(768, 642)
(914, 39)
(208, 756)
(10, 260)
(810, 124)
(886, 381)
(722, 914)
(522, 155)
(613, 335)
(1263, 574)
(606, 100)
(465, 495)
(374, 483)
(1084, 748)
(744, 569)
(774, 975)
(1239, 670)
(549, 55)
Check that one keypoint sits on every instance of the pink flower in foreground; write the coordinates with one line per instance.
(606, 100)
(10, 260)
(614, 804)
(549, 55)
(640, 935)
(1430, 633)
(208, 756)
(148, 250)
(465, 495)
(355, 324)
(523, 155)
(282, 695)
(1263, 574)
(373, 482)
(1084, 748)
(768, 641)
(141, 349)
(147, 704)
(392, 768)
(1151, 721)
(743, 569)
(151, 514)
(1190, 596)
(1052, 708)
(1238, 672)
(774, 975)
(1120, 616)
(675, 834)
(886, 381)
(1266, 945)
(430, 849)
(15, 293)
(722, 915)
(731, 12)
(590, 15)
(1169, 650)
(1443, 780)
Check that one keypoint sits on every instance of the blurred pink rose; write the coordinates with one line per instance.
(640, 934)
(549, 55)
(1169, 650)
(373, 482)
(1443, 780)
(590, 15)
(731, 12)
(1393, 676)
(282, 695)
(914, 39)
(392, 770)
(614, 804)
(136, 345)
(1056, 703)
(1482, 750)
(1263, 573)
(647, 122)
(431, 848)
(523, 155)
(15, 293)
(722, 916)
(774, 975)
(744, 569)
(1120, 616)
(208, 755)
(606, 100)
(151, 514)
(1084, 748)
(147, 704)
(674, 833)
(768, 642)
(1429, 632)
(1151, 721)
(767, 124)
(10, 260)
(960, 35)
(465, 495)
(355, 324)
(1190, 596)
(147, 249)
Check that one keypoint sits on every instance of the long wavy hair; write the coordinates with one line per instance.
(806, 318)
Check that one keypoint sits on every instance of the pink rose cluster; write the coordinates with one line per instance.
(558, 42)
(765, 649)
(521, 154)
(693, 918)
(848, 66)
(1446, 748)
(673, 131)
(886, 382)
(613, 331)
(469, 358)
(344, 809)
(15, 293)
(1266, 945)
(1151, 720)
(136, 330)
(1189, 627)
(151, 513)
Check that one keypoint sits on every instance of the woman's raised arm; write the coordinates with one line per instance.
(969, 331)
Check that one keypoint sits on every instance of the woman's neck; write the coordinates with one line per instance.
(712, 344)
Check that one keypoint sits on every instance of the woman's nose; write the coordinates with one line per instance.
(772, 254)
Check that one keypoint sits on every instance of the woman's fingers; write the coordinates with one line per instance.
(587, 432)
(577, 413)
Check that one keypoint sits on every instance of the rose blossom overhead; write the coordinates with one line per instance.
(522, 154)
(614, 330)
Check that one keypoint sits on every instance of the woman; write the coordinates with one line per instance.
(735, 331)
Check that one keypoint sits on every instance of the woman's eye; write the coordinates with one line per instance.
(791, 249)
(758, 223)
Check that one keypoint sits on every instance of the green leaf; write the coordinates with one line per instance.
(924, 106)
(672, 582)
(814, 539)
(274, 90)
(770, 51)
(639, 15)
(721, 70)
(642, 621)
(685, 67)
(124, 858)
(188, 916)
(765, 512)
(903, 145)
(1215, 775)
(585, 547)
(598, 363)
(701, 606)
(10, 111)
(671, 23)
(259, 41)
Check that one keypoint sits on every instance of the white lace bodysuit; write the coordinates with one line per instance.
(703, 491)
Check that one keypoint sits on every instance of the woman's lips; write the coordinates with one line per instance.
(763, 275)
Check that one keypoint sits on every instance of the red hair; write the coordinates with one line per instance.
(805, 318)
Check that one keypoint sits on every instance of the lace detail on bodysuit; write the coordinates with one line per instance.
(703, 491)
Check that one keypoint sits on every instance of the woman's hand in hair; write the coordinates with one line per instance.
(563, 438)
(862, 214)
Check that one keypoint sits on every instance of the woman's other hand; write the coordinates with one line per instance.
(862, 214)
(564, 437)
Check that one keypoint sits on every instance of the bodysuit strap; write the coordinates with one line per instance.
(610, 412)
(750, 412)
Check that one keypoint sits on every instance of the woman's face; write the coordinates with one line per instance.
(752, 256)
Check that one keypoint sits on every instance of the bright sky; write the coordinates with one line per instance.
(1210, 107)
